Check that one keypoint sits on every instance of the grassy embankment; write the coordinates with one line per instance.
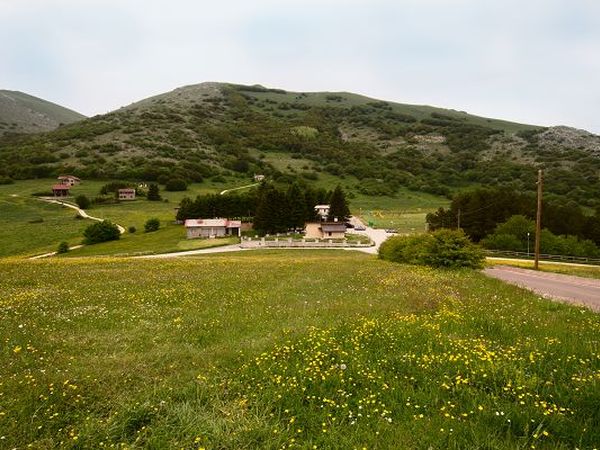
(348, 352)
(564, 268)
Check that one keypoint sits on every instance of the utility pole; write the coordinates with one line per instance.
(538, 221)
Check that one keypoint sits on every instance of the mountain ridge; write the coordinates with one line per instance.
(209, 129)
(25, 113)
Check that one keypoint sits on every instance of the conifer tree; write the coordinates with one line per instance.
(338, 206)
(153, 192)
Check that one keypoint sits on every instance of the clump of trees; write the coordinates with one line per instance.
(482, 210)
(82, 201)
(272, 209)
(101, 232)
(152, 224)
(153, 193)
(513, 234)
(441, 248)
(175, 185)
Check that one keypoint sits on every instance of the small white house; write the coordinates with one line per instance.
(127, 194)
(211, 228)
(259, 177)
(322, 211)
(68, 180)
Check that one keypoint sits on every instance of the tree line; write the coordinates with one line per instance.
(481, 210)
(270, 208)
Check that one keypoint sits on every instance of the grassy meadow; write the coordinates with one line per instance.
(287, 350)
(28, 226)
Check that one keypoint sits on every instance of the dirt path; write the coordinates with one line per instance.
(235, 189)
(81, 213)
(568, 288)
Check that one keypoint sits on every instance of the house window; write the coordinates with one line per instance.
(329, 233)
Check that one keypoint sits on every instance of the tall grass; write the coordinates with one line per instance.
(282, 349)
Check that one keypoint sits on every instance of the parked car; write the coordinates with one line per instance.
(390, 230)
(359, 227)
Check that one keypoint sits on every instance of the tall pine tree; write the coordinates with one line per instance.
(338, 206)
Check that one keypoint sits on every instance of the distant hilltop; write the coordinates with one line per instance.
(23, 113)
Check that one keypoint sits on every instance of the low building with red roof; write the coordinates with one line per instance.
(60, 190)
(211, 228)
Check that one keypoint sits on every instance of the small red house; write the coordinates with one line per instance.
(60, 190)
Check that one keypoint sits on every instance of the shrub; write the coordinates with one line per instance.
(63, 247)
(151, 225)
(442, 248)
(101, 232)
(153, 193)
(176, 184)
(132, 229)
(82, 201)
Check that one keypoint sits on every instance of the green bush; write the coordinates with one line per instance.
(101, 232)
(442, 248)
(132, 229)
(151, 225)
(176, 184)
(153, 193)
(82, 201)
(63, 247)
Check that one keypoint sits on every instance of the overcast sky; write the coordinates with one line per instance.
(532, 61)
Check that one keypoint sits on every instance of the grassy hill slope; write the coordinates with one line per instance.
(23, 113)
(213, 129)
(217, 352)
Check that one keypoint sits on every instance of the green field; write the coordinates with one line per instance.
(29, 226)
(405, 212)
(287, 350)
(169, 238)
(20, 237)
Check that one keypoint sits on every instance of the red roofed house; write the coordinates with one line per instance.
(326, 230)
(211, 228)
(127, 194)
(60, 190)
(69, 180)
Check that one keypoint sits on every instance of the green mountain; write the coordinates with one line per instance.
(211, 129)
(23, 113)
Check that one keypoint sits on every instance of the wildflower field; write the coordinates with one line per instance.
(288, 350)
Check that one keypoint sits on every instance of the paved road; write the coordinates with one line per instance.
(375, 234)
(576, 290)
(201, 251)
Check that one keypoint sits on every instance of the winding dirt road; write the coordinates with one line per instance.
(568, 288)
(80, 211)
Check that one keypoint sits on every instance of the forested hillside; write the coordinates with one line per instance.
(211, 129)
